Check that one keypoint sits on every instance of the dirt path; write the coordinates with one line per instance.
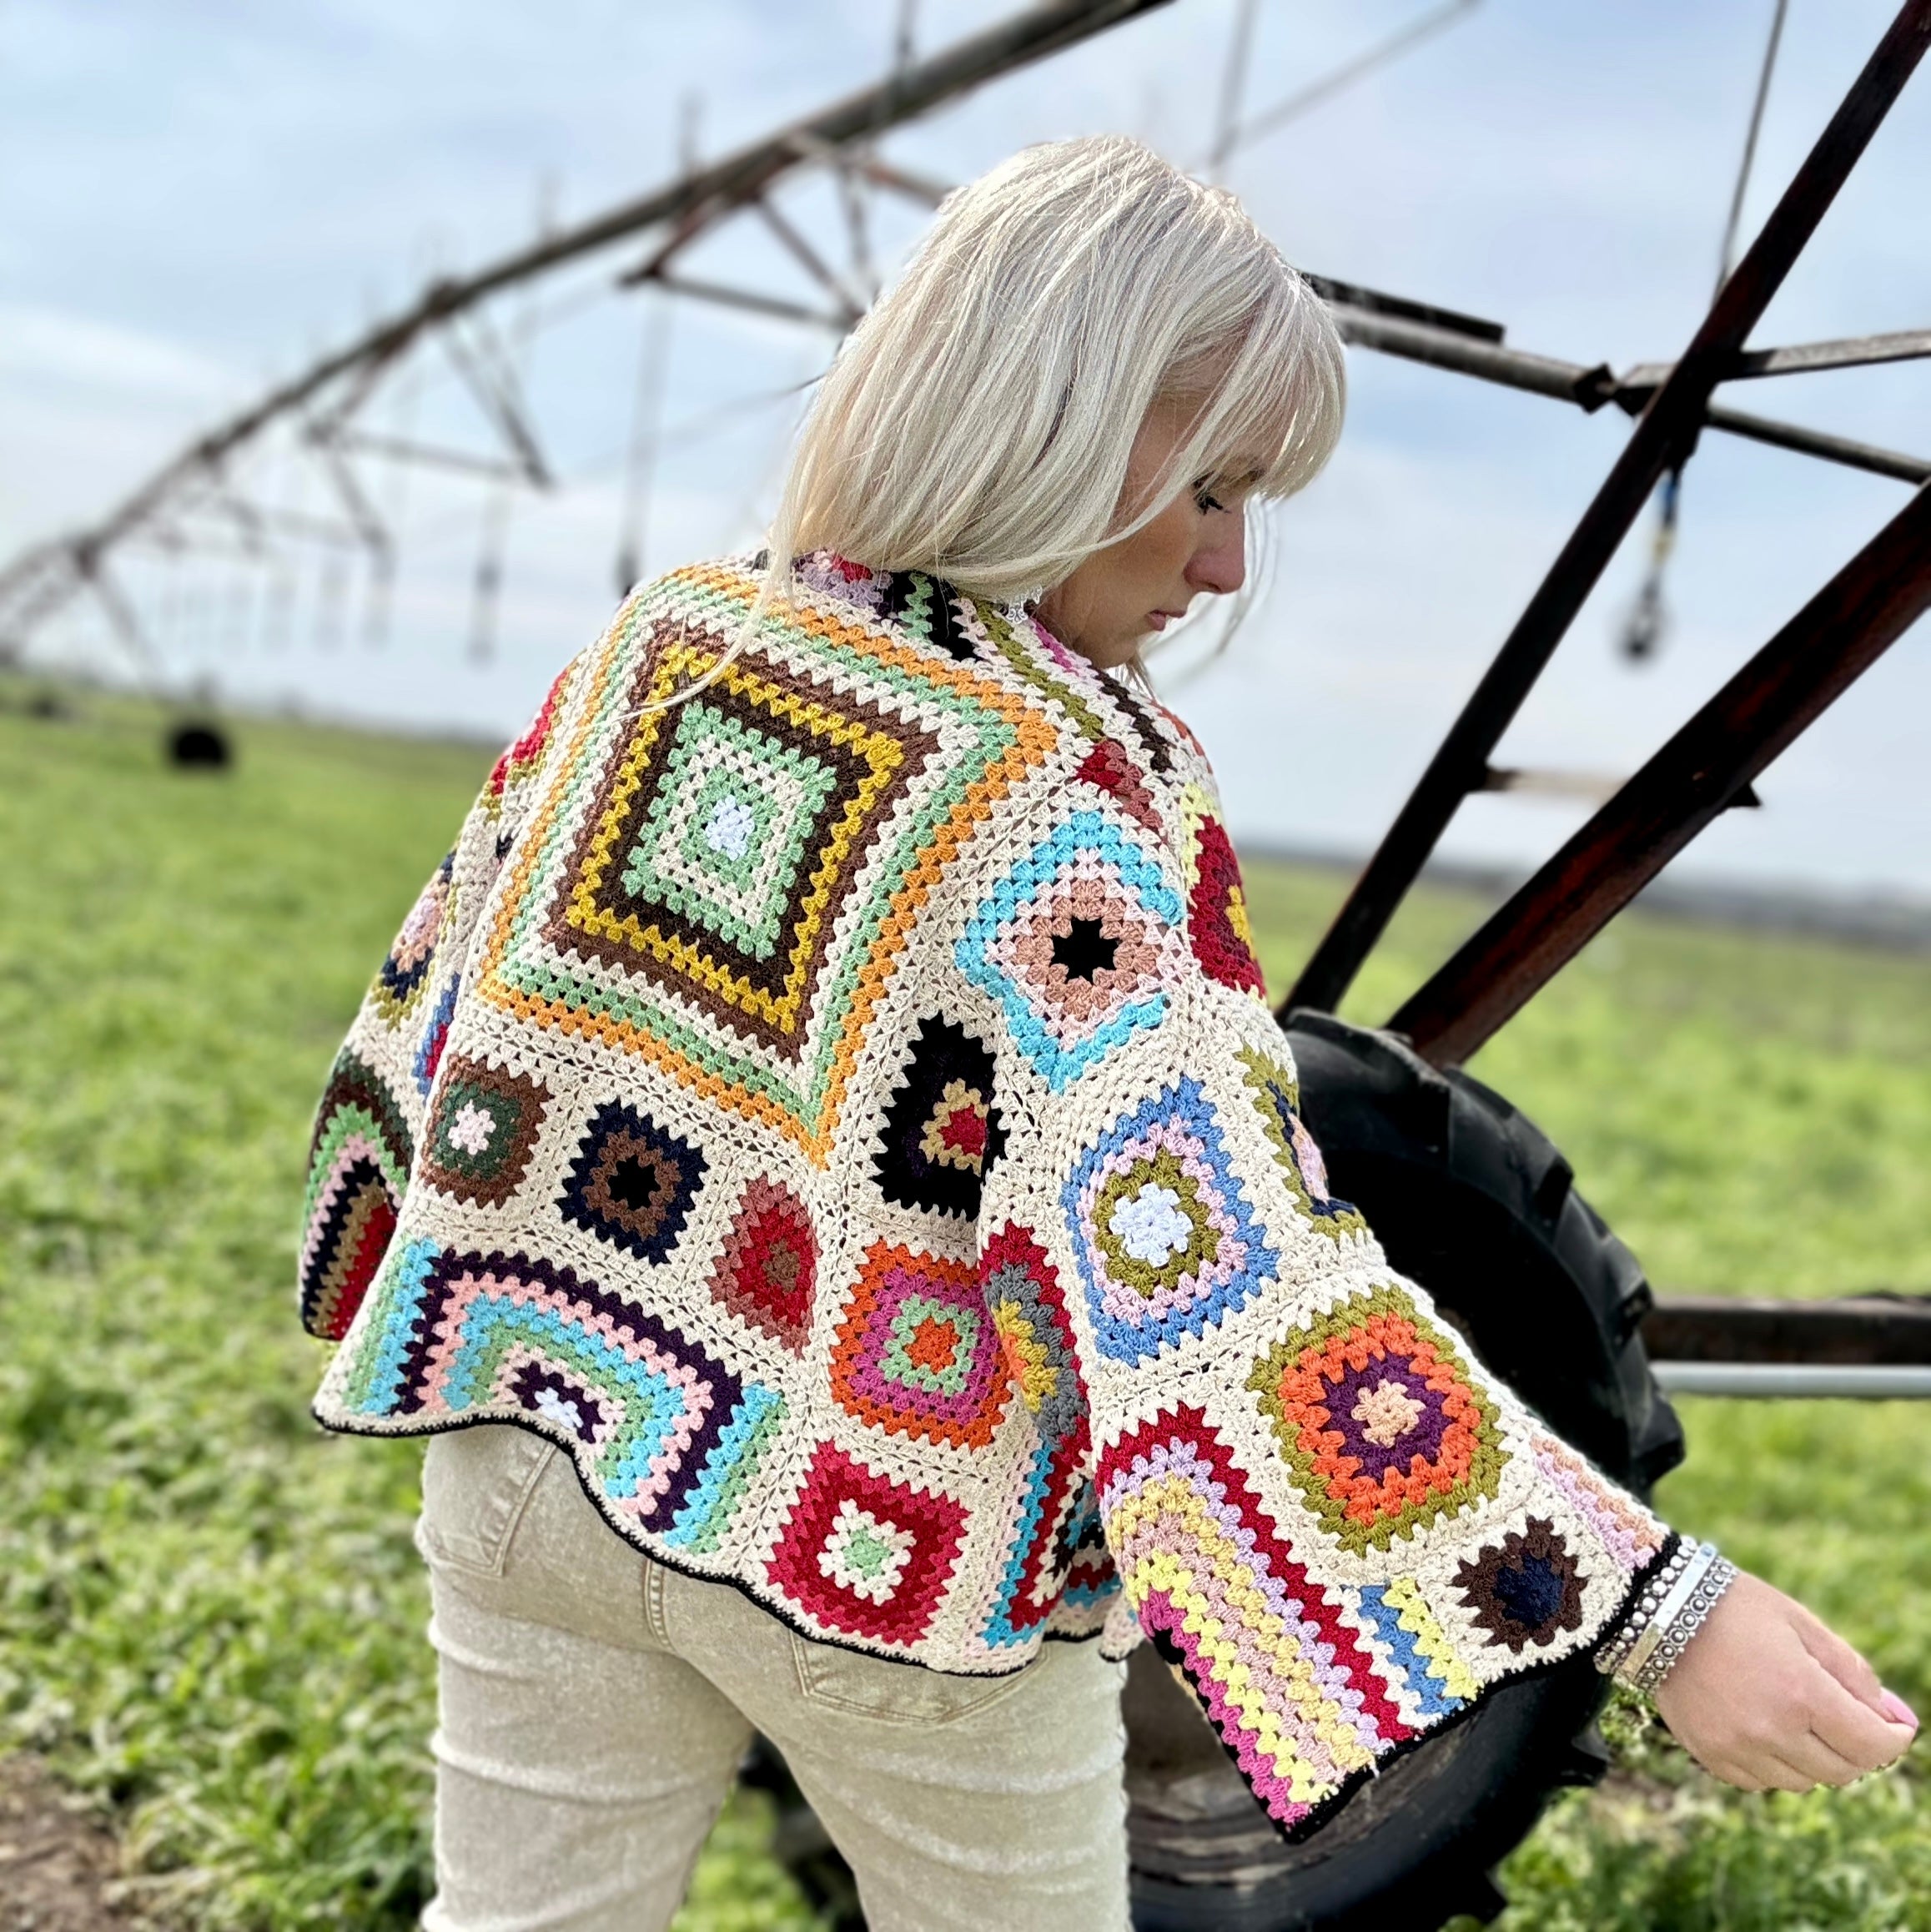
(57, 1864)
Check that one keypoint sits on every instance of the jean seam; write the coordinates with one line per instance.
(655, 1625)
(496, 1549)
(815, 1691)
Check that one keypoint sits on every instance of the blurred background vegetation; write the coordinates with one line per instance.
(210, 1615)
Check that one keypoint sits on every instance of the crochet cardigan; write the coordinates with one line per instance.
(841, 1111)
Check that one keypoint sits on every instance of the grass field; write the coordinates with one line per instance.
(210, 1617)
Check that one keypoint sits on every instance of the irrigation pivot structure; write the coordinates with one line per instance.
(200, 500)
(324, 401)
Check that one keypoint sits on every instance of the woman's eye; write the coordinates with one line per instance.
(1207, 501)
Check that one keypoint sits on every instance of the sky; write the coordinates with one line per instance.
(195, 200)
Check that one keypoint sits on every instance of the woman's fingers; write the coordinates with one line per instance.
(1765, 1771)
(1820, 1762)
(1850, 1729)
(1786, 1776)
(1843, 1661)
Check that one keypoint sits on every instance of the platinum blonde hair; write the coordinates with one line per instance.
(978, 422)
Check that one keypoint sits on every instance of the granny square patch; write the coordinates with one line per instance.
(1526, 1590)
(1415, 1659)
(1075, 944)
(1109, 767)
(350, 1234)
(1275, 1095)
(1289, 1685)
(411, 959)
(1157, 752)
(941, 1129)
(1380, 1427)
(833, 576)
(864, 1554)
(359, 1162)
(767, 1272)
(1218, 925)
(526, 754)
(727, 830)
(632, 1182)
(429, 1053)
(661, 1420)
(917, 1354)
(1040, 1556)
(1628, 1532)
(927, 606)
(1027, 1307)
(481, 1131)
(728, 835)
(725, 888)
(1166, 1242)
(1091, 1577)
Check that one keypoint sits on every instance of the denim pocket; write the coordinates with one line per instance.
(476, 1483)
(893, 1692)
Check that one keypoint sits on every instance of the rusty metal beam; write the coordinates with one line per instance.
(403, 450)
(922, 189)
(1831, 642)
(753, 301)
(121, 617)
(1393, 329)
(1663, 436)
(1853, 1330)
(814, 265)
(499, 404)
(1807, 358)
(1851, 454)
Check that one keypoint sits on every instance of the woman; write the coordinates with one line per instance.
(827, 1102)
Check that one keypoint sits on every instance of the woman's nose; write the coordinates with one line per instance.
(1219, 565)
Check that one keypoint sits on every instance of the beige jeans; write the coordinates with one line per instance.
(596, 1705)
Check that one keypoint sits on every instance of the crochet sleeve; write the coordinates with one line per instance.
(1336, 1526)
(370, 1116)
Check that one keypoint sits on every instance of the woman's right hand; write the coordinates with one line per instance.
(1766, 1697)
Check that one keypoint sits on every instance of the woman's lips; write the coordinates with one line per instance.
(1158, 620)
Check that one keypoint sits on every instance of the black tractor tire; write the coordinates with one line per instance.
(1470, 1198)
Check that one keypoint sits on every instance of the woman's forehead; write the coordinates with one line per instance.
(1242, 472)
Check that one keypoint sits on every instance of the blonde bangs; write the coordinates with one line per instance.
(978, 422)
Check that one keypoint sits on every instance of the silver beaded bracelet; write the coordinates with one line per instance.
(1641, 1613)
(1703, 1593)
(1672, 1608)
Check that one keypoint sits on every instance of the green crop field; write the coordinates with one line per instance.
(211, 1617)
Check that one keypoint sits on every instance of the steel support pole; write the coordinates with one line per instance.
(1787, 1381)
(1831, 642)
(1808, 358)
(1663, 437)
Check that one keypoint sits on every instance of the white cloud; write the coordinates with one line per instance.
(40, 343)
